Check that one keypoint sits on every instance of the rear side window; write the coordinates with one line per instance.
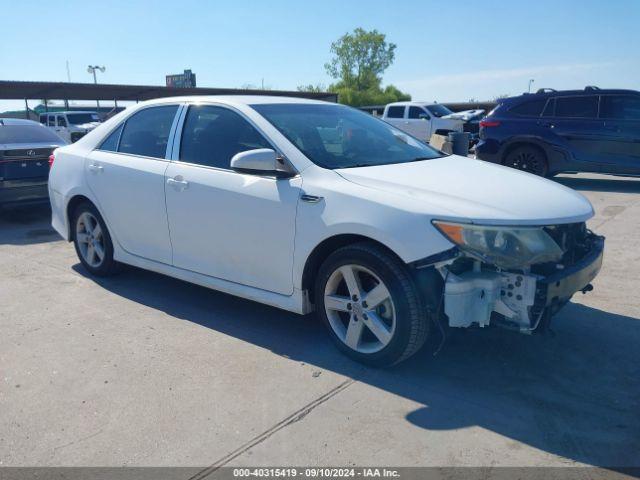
(52, 121)
(213, 135)
(577, 107)
(110, 144)
(417, 112)
(146, 133)
(395, 112)
(623, 107)
(531, 108)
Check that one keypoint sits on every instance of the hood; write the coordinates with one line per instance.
(87, 126)
(465, 116)
(473, 191)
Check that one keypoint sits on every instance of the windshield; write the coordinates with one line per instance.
(438, 110)
(336, 136)
(80, 118)
(27, 134)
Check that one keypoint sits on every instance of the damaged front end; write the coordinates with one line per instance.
(515, 277)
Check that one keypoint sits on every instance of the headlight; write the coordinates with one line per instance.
(503, 246)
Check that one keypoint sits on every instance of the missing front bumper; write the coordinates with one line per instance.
(518, 300)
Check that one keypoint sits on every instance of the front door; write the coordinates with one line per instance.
(126, 175)
(225, 224)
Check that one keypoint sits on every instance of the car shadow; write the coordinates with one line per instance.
(612, 184)
(574, 393)
(26, 225)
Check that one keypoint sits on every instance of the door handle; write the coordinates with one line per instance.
(178, 182)
(95, 168)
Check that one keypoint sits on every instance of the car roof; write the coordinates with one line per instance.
(410, 102)
(560, 93)
(68, 111)
(18, 121)
(238, 100)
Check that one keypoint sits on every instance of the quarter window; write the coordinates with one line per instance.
(577, 107)
(623, 107)
(213, 135)
(146, 133)
(395, 112)
(110, 144)
(531, 108)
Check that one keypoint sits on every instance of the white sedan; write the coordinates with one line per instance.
(306, 205)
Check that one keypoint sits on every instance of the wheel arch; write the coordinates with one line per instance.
(327, 246)
(72, 205)
(524, 142)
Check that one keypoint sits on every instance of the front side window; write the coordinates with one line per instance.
(146, 133)
(61, 121)
(395, 112)
(577, 107)
(417, 112)
(336, 136)
(622, 107)
(213, 135)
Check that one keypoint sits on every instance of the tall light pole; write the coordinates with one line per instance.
(530, 82)
(92, 69)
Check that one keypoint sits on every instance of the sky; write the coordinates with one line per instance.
(446, 51)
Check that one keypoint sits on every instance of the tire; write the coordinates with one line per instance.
(355, 325)
(528, 159)
(90, 234)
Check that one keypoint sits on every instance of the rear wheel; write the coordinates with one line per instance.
(371, 305)
(92, 241)
(528, 159)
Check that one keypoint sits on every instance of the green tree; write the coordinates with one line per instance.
(312, 88)
(359, 60)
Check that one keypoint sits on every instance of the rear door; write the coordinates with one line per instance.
(395, 116)
(126, 174)
(574, 120)
(418, 123)
(621, 115)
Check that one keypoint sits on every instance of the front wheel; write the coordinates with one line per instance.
(370, 304)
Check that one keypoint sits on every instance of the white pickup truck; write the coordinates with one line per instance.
(422, 119)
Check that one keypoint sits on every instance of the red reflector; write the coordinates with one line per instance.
(489, 123)
(51, 160)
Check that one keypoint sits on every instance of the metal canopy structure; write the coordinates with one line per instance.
(15, 90)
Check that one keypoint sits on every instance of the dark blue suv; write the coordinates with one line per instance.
(550, 132)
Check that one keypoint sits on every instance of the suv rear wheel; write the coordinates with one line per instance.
(528, 159)
(371, 305)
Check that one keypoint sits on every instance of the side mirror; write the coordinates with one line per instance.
(424, 116)
(261, 161)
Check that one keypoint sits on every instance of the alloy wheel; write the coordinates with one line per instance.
(359, 308)
(90, 239)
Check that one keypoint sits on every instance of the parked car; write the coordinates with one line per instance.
(71, 126)
(307, 205)
(551, 132)
(25, 147)
(422, 119)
